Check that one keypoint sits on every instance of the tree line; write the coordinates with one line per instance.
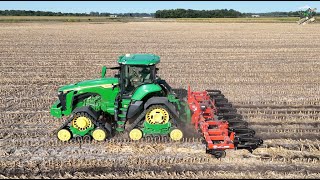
(48, 13)
(219, 13)
(171, 13)
(37, 13)
(190, 13)
(279, 14)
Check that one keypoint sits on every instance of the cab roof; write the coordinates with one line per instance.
(139, 59)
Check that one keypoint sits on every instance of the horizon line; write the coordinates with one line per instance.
(143, 12)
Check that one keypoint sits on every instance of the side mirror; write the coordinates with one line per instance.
(103, 72)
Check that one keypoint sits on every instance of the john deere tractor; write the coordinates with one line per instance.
(135, 100)
(307, 16)
(136, 103)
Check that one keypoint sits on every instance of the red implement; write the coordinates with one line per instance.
(214, 131)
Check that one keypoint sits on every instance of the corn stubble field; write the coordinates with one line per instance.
(270, 72)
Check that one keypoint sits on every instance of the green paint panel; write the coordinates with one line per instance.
(101, 87)
(144, 90)
(163, 129)
(139, 59)
(80, 133)
(56, 109)
(89, 83)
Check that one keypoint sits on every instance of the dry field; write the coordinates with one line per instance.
(270, 71)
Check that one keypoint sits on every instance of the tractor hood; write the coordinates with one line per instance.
(103, 82)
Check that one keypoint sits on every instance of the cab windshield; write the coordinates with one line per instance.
(135, 76)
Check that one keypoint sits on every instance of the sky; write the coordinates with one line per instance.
(153, 6)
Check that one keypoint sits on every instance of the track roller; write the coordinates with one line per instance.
(99, 134)
(64, 135)
(135, 134)
(176, 134)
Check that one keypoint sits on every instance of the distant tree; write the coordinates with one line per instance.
(189, 13)
(104, 14)
(94, 13)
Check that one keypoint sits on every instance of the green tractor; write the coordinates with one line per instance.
(134, 100)
(307, 16)
(136, 104)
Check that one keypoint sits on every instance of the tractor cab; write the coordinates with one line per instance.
(136, 70)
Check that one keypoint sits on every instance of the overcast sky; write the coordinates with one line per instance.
(153, 6)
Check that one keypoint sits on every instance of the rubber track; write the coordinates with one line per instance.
(95, 122)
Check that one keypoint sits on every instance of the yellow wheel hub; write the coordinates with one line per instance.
(81, 123)
(99, 134)
(176, 134)
(157, 116)
(135, 134)
(64, 135)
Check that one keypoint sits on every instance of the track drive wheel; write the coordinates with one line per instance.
(64, 135)
(157, 114)
(99, 134)
(82, 121)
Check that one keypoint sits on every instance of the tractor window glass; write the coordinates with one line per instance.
(137, 75)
